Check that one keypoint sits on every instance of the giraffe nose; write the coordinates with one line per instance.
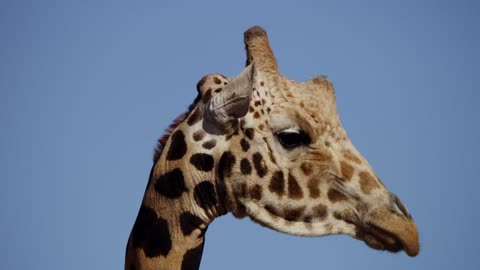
(399, 207)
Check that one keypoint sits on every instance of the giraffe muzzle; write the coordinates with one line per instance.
(385, 229)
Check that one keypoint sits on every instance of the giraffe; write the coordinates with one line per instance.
(263, 146)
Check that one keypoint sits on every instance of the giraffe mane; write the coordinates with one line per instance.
(169, 130)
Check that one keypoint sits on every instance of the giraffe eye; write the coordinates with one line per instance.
(291, 138)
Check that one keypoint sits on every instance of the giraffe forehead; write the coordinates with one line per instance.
(313, 101)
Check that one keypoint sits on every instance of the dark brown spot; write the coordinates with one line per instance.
(367, 182)
(263, 101)
(257, 103)
(191, 259)
(347, 170)
(256, 192)
(243, 190)
(261, 127)
(336, 196)
(178, 147)
(207, 96)
(209, 144)
(194, 117)
(201, 161)
(294, 190)
(198, 135)
(313, 188)
(256, 115)
(294, 214)
(259, 164)
(250, 133)
(205, 196)
(320, 211)
(269, 110)
(201, 83)
(218, 90)
(245, 167)
(217, 80)
(306, 168)
(307, 219)
(171, 184)
(245, 145)
(151, 233)
(189, 222)
(277, 183)
(262, 83)
(346, 216)
(225, 165)
(351, 156)
(337, 215)
(251, 109)
(272, 210)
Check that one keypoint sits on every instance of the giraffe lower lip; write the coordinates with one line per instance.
(379, 239)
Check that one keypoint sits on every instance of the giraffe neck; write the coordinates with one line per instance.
(182, 198)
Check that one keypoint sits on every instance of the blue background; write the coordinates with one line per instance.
(88, 86)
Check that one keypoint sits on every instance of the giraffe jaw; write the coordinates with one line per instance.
(381, 229)
(260, 215)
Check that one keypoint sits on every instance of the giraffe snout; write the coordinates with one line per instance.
(390, 227)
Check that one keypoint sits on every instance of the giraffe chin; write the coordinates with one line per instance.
(392, 233)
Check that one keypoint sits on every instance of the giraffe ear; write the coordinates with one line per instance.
(221, 111)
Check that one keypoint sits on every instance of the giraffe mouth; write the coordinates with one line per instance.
(378, 238)
(390, 236)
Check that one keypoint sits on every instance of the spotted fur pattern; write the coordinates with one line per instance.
(321, 187)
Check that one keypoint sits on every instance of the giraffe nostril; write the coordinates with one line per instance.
(400, 206)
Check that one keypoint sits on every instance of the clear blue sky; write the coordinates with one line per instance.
(87, 87)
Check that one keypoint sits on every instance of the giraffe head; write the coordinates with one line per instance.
(287, 162)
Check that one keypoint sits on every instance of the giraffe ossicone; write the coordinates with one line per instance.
(263, 146)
